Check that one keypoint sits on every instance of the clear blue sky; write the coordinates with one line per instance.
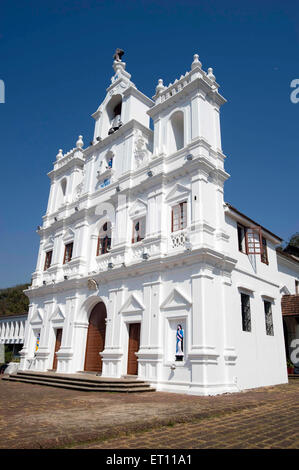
(56, 61)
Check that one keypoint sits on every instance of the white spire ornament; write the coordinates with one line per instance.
(160, 87)
(196, 62)
(210, 74)
(79, 143)
(59, 155)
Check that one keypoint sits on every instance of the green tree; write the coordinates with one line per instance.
(13, 301)
(293, 245)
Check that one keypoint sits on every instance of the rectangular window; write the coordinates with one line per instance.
(138, 230)
(264, 253)
(179, 216)
(268, 318)
(246, 316)
(68, 252)
(296, 287)
(242, 238)
(48, 260)
(104, 245)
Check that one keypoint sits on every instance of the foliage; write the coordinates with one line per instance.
(13, 301)
(8, 355)
(294, 240)
(11, 352)
(292, 246)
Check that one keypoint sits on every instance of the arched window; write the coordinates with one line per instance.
(113, 109)
(61, 192)
(104, 239)
(176, 131)
(63, 186)
(138, 229)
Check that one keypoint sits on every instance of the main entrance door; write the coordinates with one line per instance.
(57, 346)
(95, 338)
(134, 341)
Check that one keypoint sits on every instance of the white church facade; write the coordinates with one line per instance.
(143, 269)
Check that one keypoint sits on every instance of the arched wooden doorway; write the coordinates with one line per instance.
(95, 338)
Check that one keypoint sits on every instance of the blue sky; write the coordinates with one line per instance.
(56, 62)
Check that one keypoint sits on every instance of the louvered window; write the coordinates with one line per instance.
(179, 217)
(68, 253)
(48, 260)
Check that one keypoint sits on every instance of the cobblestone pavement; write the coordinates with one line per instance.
(265, 427)
(33, 416)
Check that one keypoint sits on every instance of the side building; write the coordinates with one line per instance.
(12, 332)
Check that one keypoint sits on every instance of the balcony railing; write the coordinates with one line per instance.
(178, 239)
(102, 261)
(137, 251)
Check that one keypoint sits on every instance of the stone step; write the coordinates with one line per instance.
(92, 381)
(293, 376)
(79, 385)
(82, 383)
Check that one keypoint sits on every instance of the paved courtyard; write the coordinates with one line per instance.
(33, 416)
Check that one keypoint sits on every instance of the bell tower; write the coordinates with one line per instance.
(123, 102)
(186, 110)
(186, 117)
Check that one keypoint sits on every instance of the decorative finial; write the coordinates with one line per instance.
(160, 86)
(59, 155)
(196, 62)
(210, 74)
(118, 54)
(79, 143)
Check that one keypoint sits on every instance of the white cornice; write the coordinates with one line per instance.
(107, 142)
(138, 94)
(204, 255)
(70, 163)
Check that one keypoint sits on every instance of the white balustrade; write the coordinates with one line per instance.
(178, 239)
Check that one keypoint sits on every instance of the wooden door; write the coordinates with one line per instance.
(57, 346)
(134, 341)
(95, 338)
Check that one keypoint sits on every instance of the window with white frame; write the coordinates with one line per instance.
(48, 260)
(246, 314)
(68, 252)
(104, 239)
(268, 318)
(179, 216)
(242, 238)
(138, 229)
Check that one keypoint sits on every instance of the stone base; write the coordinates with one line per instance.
(12, 368)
